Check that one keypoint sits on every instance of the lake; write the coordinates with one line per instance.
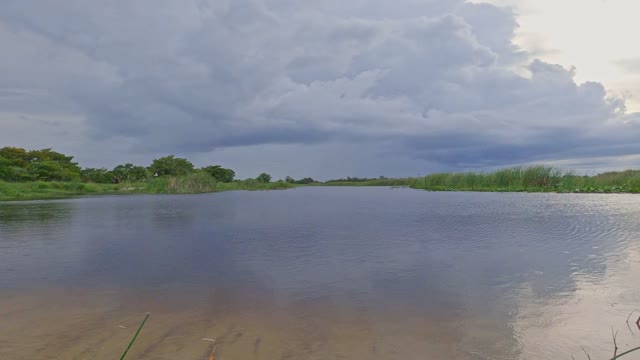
(321, 273)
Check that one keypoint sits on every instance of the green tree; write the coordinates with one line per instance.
(264, 178)
(101, 176)
(49, 165)
(171, 165)
(130, 172)
(13, 156)
(121, 172)
(219, 173)
(49, 170)
(17, 164)
(138, 173)
(9, 171)
(290, 180)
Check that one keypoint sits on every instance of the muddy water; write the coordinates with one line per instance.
(320, 273)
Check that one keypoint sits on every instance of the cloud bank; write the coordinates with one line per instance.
(439, 82)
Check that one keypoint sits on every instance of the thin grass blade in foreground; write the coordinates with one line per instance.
(625, 353)
(212, 356)
(135, 336)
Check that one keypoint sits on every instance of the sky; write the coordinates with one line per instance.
(325, 89)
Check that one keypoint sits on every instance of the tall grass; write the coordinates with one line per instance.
(194, 183)
(537, 178)
(254, 185)
(201, 183)
(197, 182)
(47, 190)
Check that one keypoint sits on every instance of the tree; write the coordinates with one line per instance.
(219, 173)
(121, 172)
(129, 172)
(15, 156)
(17, 164)
(171, 165)
(306, 180)
(13, 164)
(102, 176)
(49, 165)
(49, 170)
(9, 171)
(138, 173)
(264, 178)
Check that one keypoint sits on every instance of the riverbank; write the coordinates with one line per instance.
(188, 184)
(515, 179)
(531, 179)
(371, 182)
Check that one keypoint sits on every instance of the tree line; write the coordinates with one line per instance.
(355, 179)
(20, 165)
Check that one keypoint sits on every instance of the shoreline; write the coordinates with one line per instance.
(66, 190)
(115, 190)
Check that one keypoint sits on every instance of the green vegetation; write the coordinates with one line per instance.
(46, 174)
(220, 174)
(264, 178)
(171, 165)
(538, 178)
(381, 181)
(305, 181)
(53, 189)
(253, 184)
(18, 164)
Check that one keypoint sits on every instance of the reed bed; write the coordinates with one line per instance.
(536, 178)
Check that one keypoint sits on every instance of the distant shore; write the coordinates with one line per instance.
(188, 184)
(515, 179)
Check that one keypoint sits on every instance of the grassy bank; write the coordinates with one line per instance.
(188, 184)
(52, 190)
(532, 179)
(202, 183)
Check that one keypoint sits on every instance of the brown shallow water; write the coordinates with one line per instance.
(320, 273)
(80, 326)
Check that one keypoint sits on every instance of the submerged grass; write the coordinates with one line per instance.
(537, 178)
(189, 184)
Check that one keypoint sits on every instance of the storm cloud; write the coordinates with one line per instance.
(440, 83)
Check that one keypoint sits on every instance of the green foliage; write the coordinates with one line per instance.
(44, 174)
(219, 173)
(138, 173)
(538, 178)
(264, 178)
(130, 172)
(100, 176)
(171, 165)
(52, 189)
(304, 181)
(253, 185)
(196, 182)
(17, 164)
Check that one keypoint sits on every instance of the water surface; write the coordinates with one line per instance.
(321, 273)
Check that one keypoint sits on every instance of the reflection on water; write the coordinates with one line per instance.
(321, 273)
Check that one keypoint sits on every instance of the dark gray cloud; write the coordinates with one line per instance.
(440, 82)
